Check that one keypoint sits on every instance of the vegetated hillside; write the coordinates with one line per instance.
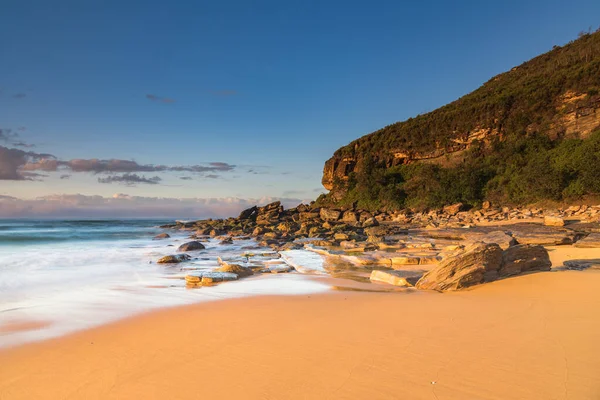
(528, 134)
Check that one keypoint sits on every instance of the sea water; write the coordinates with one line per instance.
(60, 276)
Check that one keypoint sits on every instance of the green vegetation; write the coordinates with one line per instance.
(516, 170)
(527, 159)
(523, 99)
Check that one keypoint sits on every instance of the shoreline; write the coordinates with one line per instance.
(523, 337)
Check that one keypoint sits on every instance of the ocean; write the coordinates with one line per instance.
(60, 276)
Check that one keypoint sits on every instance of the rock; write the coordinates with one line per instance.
(207, 278)
(500, 238)
(234, 269)
(248, 213)
(328, 214)
(278, 268)
(539, 234)
(472, 267)
(524, 258)
(191, 246)
(553, 221)
(369, 222)
(580, 265)
(454, 208)
(405, 260)
(174, 259)
(486, 205)
(226, 241)
(350, 217)
(592, 240)
(161, 236)
(341, 236)
(308, 216)
(396, 278)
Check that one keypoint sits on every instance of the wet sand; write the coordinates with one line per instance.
(530, 337)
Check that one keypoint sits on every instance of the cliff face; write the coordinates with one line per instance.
(555, 94)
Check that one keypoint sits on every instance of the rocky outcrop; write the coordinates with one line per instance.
(478, 264)
(484, 262)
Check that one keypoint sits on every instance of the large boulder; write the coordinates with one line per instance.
(484, 262)
(524, 258)
(479, 263)
(328, 214)
(191, 246)
(174, 259)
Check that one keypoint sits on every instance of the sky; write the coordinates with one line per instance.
(114, 106)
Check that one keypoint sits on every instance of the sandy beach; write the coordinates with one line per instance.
(529, 337)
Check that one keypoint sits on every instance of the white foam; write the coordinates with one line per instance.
(306, 262)
(77, 285)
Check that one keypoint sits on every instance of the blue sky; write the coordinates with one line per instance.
(271, 88)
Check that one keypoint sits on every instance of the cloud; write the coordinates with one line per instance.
(130, 179)
(14, 162)
(98, 166)
(11, 161)
(23, 144)
(123, 205)
(213, 176)
(159, 99)
(11, 137)
(19, 95)
(7, 135)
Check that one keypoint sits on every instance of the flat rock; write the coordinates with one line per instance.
(542, 235)
(234, 269)
(161, 236)
(580, 265)
(500, 238)
(396, 278)
(206, 277)
(590, 241)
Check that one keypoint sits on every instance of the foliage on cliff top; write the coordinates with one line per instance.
(524, 99)
(517, 170)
